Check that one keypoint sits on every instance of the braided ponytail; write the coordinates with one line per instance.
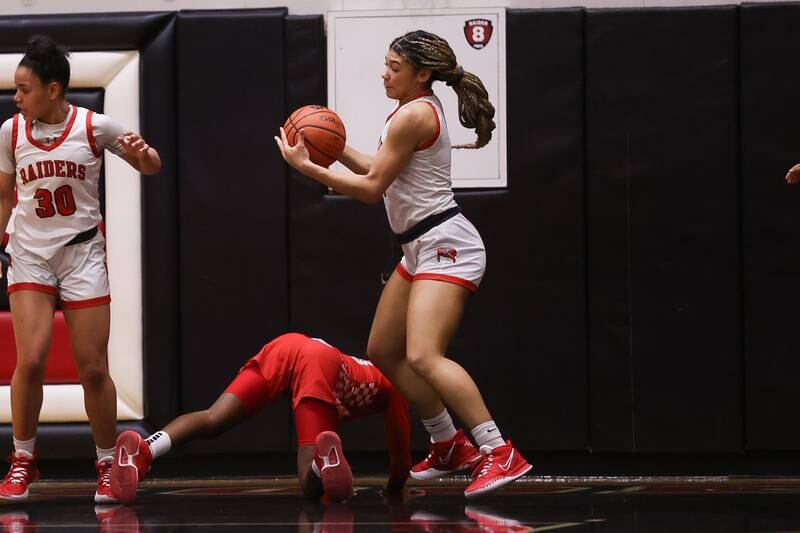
(428, 51)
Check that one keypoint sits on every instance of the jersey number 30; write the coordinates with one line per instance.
(61, 200)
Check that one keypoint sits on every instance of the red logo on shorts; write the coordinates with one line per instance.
(448, 253)
(478, 32)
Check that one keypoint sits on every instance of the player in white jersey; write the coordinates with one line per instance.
(51, 153)
(443, 255)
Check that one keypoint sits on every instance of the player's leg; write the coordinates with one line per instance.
(135, 454)
(386, 347)
(435, 311)
(32, 316)
(321, 465)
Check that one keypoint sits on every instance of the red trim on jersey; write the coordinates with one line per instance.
(39, 287)
(14, 133)
(433, 140)
(85, 304)
(423, 95)
(49, 147)
(90, 134)
(449, 279)
(404, 273)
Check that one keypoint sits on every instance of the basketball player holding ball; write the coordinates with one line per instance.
(443, 255)
(52, 152)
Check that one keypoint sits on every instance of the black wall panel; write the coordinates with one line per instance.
(160, 275)
(232, 207)
(663, 229)
(527, 323)
(770, 144)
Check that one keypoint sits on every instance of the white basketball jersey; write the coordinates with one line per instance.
(57, 185)
(424, 186)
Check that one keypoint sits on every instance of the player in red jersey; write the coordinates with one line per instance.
(327, 388)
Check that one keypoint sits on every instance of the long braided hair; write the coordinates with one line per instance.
(428, 51)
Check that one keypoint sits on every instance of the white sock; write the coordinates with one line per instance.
(104, 453)
(159, 442)
(487, 436)
(25, 446)
(440, 427)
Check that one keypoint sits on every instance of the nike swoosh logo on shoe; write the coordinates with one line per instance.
(446, 459)
(507, 465)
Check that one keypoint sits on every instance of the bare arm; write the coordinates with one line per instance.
(7, 183)
(138, 154)
(793, 176)
(356, 161)
(410, 128)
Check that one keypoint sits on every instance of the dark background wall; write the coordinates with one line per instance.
(643, 264)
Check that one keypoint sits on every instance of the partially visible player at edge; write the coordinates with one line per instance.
(51, 152)
(793, 176)
(327, 388)
(443, 255)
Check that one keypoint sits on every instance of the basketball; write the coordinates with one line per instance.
(323, 129)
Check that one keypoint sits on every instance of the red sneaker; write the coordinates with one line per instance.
(445, 457)
(132, 460)
(103, 493)
(497, 468)
(22, 473)
(332, 467)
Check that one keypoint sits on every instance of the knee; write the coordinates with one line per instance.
(31, 368)
(213, 423)
(421, 362)
(94, 375)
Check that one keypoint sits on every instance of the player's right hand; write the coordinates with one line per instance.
(793, 176)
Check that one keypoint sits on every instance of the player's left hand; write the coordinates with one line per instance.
(793, 176)
(133, 144)
(297, 155)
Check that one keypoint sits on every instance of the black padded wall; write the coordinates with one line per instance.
(770, 105)
(526, 325)
(160, 227)
(663, 229)
(232, 208)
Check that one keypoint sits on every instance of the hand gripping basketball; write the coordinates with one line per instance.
(323, 133)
